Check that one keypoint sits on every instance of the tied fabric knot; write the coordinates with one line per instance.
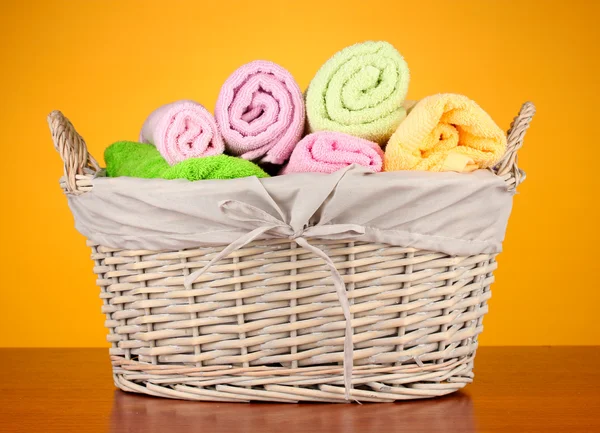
(298, 234)
(265, 222)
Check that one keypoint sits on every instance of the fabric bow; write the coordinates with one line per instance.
(240, 211)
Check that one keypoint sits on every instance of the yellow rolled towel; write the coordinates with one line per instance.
(445, 132)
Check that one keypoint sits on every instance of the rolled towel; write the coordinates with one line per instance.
(445, 132)
(327, 152)
(359, 91)
(260, 112)
(182, 130)
(126, 158)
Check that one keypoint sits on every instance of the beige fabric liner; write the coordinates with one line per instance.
(452, 213)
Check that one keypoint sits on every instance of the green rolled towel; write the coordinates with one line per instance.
(126, 158)
(359, 91)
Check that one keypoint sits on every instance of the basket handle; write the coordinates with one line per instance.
(72, 149)
(507, 167)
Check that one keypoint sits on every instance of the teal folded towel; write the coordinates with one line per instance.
(126, 158)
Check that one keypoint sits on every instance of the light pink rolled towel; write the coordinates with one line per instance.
(328, 152)
(260, 112)
(182, 130)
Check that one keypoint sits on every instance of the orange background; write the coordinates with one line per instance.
(107, 64)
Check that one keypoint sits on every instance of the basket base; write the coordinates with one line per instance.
(312, 384)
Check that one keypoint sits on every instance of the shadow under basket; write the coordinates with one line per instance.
(265, 327)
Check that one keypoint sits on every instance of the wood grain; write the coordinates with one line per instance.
(525, 389)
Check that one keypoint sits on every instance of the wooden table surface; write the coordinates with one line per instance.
(516, 389)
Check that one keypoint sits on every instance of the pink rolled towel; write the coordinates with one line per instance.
(327, 152)
(182, 130)
(260, 112)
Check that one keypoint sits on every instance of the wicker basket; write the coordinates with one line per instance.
(415, 314)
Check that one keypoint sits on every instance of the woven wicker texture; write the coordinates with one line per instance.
(266, 324)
